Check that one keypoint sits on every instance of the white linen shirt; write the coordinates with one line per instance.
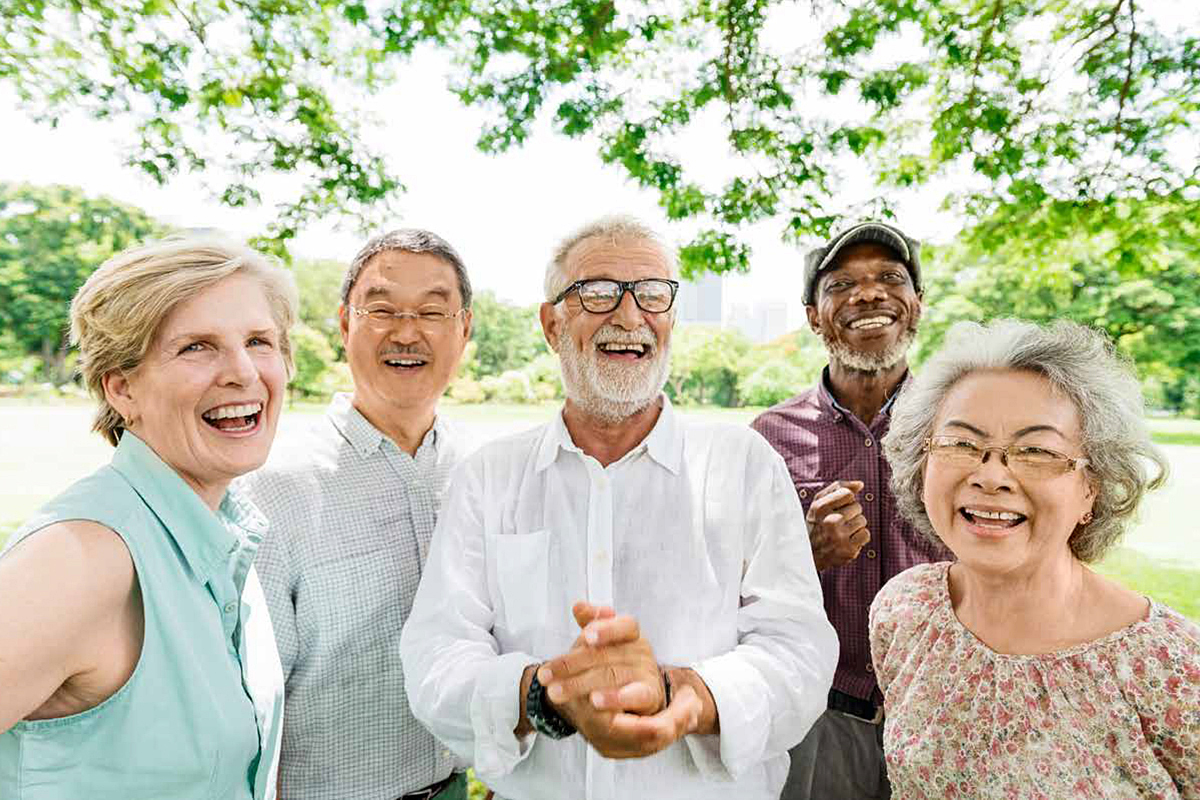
(697, 533)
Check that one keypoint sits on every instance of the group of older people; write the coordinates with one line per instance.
(880, 590)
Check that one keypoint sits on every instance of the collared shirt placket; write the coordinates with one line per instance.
(599, 772)
(422, 517)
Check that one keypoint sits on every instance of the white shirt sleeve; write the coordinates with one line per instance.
(458, 685)
(770, 689)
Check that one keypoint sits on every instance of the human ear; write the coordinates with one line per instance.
(551, 324)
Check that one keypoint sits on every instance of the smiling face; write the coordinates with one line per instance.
(403, 366)
(866, 309)
(994, 520)
(206, 398)
(613, 364)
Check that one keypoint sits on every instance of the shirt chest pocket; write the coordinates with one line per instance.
(520, 566)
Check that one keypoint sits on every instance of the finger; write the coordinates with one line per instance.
(832, 501)
(860, 537)
(574, 662)
(585, 612)
(649, 734)
(638, 697)
(853, 486)
(848, 515)
(602, 677)
(612, 630)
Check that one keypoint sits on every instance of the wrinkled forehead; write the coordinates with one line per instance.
(621, 259)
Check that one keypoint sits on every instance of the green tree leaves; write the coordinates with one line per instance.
(51, 239)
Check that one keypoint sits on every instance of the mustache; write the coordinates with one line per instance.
(611, 334)
(405, 350)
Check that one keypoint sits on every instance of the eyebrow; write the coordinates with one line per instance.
(1028, 429)
(383, 292)
(191, 336)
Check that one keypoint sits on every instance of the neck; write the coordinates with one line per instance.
(605, 440)
(405, 428)
(864, 393)
(211, 495)
(1008, 611)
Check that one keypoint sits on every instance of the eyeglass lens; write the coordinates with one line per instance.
(601, 295)
(1019, 458)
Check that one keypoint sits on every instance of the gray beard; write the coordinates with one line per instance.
(869, 363)
(611, 392)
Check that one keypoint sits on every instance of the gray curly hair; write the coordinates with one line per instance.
(1079, 362)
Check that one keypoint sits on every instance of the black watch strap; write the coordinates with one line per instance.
(541, 715)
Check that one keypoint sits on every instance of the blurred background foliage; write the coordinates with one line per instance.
(1130, 268)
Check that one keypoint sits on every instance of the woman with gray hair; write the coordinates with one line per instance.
(1016, 671)
(136, 655)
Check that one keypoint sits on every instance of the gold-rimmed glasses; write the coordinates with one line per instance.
(1030, 461)
(382, 316)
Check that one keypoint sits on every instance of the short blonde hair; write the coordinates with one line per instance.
(117, 312)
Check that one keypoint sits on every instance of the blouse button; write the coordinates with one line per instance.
(870, 668)
(869, 497)
(869, 441)
(230, 607)
(870, 554)
(804, 492)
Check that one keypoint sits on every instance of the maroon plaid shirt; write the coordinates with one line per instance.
(823, 442)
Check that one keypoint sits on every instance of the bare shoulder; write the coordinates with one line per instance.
(72, 560)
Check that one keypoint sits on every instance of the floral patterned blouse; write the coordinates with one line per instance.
(1115, 718)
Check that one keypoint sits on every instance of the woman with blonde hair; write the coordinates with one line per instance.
(136, 655)
(1016, 671)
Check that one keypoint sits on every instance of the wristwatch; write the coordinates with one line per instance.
(541, 715)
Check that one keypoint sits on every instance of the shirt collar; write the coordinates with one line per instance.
(830, 405)
(664, 443)
(360, 433)
(206, 540)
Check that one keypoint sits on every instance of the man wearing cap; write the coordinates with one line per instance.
(862, 294)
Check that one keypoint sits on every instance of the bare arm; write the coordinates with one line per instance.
(71, 621)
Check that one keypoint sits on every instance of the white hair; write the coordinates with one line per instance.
(615, 228)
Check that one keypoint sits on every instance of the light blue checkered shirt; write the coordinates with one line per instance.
(351, 515)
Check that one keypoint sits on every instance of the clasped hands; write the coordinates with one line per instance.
(611, 688)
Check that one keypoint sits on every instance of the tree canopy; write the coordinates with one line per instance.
(51, 239)
(1023, 104)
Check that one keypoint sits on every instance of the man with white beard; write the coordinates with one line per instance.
(621, 603)
(862, 293)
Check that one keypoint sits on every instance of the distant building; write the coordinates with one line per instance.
(759, 322)
(701, 301)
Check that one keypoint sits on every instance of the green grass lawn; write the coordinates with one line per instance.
(45, 447)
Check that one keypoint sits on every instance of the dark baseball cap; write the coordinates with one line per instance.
(820, 259)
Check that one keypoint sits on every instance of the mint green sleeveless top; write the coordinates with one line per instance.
(200, 717)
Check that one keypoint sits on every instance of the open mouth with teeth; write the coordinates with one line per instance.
(871, 323)
(631, 351)
(240, 418)
(1000, 520)
(405, 363)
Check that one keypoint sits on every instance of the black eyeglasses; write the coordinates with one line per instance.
(602, 295)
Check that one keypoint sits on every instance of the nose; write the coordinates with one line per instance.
(404, 330)
(239, 368)
(627, 315)
(992, 474)
(868, 292)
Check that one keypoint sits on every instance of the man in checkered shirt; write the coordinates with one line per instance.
(862, 294)
(352, 506)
